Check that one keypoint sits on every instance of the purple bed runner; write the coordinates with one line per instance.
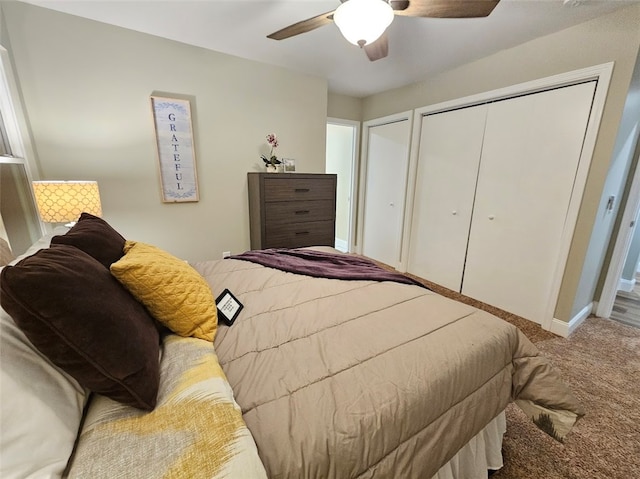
(323, 265)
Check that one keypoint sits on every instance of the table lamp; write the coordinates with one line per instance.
(64, 201)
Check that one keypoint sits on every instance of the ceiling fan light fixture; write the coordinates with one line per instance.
(362, 22)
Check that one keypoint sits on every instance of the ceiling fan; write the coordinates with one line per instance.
(364, 22)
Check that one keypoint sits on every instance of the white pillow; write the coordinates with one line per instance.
(41, 406)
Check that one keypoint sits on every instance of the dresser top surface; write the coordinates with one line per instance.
(292, 175)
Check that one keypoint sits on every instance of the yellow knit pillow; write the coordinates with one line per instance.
(171, 290)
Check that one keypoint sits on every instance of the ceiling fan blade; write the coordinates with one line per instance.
(303, 27)
(378, 49)
(448, 8)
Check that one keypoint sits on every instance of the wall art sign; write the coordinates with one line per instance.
(176, 157)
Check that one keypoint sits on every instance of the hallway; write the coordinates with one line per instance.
(626, 308)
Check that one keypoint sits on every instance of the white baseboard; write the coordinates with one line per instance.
(626, 284)
(565, 329)
(342, 245)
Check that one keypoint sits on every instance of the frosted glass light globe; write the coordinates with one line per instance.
(362, 22)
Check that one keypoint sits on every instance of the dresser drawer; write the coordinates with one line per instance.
(298, 235)
(285, 189)
(298, 211)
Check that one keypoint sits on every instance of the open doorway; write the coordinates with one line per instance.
(625, 240)
(342, 153)
(620, 298)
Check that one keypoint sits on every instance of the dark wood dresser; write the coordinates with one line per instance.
(292, 210)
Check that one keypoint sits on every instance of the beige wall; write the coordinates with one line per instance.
(344, 106)
(86, 89)
(615, 37)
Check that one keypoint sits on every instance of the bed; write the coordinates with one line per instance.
(364, 377)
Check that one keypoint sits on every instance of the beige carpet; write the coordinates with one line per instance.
(600, 362)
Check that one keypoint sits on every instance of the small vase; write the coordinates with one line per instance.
(272, 168)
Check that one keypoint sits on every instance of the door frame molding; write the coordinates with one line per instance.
(355, 165)
(602, 74)
(622, 243)
(366, 126)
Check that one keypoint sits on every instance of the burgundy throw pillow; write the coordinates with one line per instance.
(85, 322)
(96, 237)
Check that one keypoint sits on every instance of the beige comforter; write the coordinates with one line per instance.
(358, 379)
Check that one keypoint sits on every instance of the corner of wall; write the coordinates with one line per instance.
(565, 329)
(344, 107)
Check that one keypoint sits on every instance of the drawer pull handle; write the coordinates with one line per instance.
(302, 233)
(302, 212)
(302, 190)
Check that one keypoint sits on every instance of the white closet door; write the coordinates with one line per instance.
(530, 155)
(450, 148)
(385, 191)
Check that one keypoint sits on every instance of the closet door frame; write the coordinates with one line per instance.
(366, 126)
(602, 74)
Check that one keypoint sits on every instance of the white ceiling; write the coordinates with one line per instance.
(418, 47)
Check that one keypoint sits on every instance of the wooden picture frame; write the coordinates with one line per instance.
(176, 154)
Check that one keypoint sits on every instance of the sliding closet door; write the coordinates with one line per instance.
(530, 155)
(450, 147)
(385, 191)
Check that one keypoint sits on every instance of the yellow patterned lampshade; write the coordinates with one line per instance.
(62, 201)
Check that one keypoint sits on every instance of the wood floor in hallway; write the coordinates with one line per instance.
(626, 307)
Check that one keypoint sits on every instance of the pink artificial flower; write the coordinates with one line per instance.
(272, 140)
(272, 159)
